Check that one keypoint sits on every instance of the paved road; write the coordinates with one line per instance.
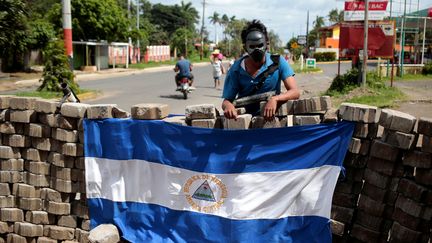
(157, 86)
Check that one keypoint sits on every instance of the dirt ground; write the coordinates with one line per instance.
(419, 103)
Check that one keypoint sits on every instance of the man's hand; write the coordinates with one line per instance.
(270, 109)
(230, 111)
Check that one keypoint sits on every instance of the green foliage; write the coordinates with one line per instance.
(427, 69)
(383, 97)
(296, 52)
(56, 69)
(181, 40)
(324, 56)
(345, 82)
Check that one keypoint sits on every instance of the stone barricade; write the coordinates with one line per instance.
(384, 194)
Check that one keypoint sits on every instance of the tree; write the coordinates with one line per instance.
(335, 16)
(215, 20)
(182, 41)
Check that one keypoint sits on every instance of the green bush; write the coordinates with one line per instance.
(325, 56)
(345, 82)
(427, 69)
(56, 69)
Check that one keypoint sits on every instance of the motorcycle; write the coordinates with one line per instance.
(184, 87)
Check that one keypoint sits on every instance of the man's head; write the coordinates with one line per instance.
(255, 40)
(180, 56)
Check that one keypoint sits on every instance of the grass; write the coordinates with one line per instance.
(381, 97)
(410, 77)
(296, 68)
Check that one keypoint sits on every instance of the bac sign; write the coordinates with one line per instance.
(311, 63)
(354, 10)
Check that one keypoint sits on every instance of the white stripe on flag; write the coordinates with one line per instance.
(258, 195)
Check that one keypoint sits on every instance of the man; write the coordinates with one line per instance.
(245, 76)
(184, 68)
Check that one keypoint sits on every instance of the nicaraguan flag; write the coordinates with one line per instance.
(160, 182)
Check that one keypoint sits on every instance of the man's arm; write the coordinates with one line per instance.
(292, 93)
(230, 111)
(176, 68)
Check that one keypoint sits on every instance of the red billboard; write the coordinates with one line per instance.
(381, 39)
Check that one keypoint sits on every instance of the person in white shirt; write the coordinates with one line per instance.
(218, 69)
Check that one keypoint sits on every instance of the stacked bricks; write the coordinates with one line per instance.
(385, 194)
(42, 172)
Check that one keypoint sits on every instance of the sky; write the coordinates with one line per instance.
(287, 18)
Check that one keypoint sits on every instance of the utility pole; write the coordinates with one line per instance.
(67, 30)
(365, 43)
(129, 39)
(307, 35)
(202, 31)
(138, 27)
(402, 42)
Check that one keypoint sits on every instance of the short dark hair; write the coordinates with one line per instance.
(251, 26)
(180, 55)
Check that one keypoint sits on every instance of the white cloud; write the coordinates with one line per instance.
(285, 17)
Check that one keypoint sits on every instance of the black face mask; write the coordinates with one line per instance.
(257, 55)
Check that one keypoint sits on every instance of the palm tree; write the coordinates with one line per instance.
(214, 19)
(224, 21)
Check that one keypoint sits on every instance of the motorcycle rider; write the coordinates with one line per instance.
(184, 68)
(246, 76)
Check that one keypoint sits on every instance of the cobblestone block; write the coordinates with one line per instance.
(48, 119)
(359, 146)
(342, 214)
(69, 221)
(300, 106)
(412, 190)
(397, 121)
(399, 139)
(178, 120)
(43, 144)
(6, 228)
(65, 135)
(369, 221)
(8, 201)
(418, 159)
(331, 115)
(26, 116)
(408, 206)
(425, 126)
(75, 110)
(32, 204)
(7, 152)
(80, 163)
(72, 149)
(281, 110)
(424, 176)
(306, 120)
(119, 113)
(370, 206)
(260, 122)
(67, 123)
(349, 187)
(61, 173)
(38, 130)
(22, 103)
(11, 215)
(286, 121)
(204, 111)
(85, 225)
(66, 186)
(4, 115)
(24, 190)
(204, 123)
(28, 229)
(14, 238)
(377, 179)
(58, 208)
(405, 219)
(4, 189)
(242, 122)
(149, 111)
(378, 194)
(60, 160)
(39, 217)
(17, 141)
(385, 151)
(400, 233)
(366, 130)
(381, 166)
(33, 154)
(38, 168)
(11, 128)
(11, 176)
(12, 165)
(337, 228)
(59, 232)
(316, 104)
(364, 234)
(100, 111)
(325, 102)
(426, 144)
(5, 101)
(82, 235)
(358, 113)
(80, 210)
(46, 240)
(46, 106)
(37, 180)
(344, 199)
(49, 194)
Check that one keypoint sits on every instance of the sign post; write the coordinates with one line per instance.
(310, 63)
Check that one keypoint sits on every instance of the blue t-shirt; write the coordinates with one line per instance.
(239, 83)
(184, 68)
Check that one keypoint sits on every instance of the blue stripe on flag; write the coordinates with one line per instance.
(152, 223)
(218, 151)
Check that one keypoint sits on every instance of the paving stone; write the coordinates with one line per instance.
(6, 228)
(49, 194)
(423, 176)
(28, 229)
(397, 121)
(286, 121)
(26, 116)
(377, 179)
(48, 119)
(37, 180)
(261, 122)
(281, 110)
(58, 208)
(381, 166)
(80, 210)
(425, 126)
(33, 154)
(242, 122)
(66, 186)
(4, 189)
(11, 128)
(43, 144)
(11, 215)
(426, 144)
(60, 160)
(85, 225)
(149, 111)
(69, 221)
(359, 113)
(359, 146)
(119, 113)
(385, 151)
(14, 238)
(204, 123)
(331, 115)
(325, 102)
(399, 139)
(405, 219)
(39, 217)
(178, 120)
(364, 234)
(369, 221)
(344, 199)
(32, 204)
(46, 240)
(418, 159)
(80, 163)
(7, 152)
(16, 141)
(370, 206)
(65, 135)
(306, 120)
(5, 101)
(24, 190)
(366, 130)
(12, 165)
(75, 110)
(59, 232)
(11, 176)
(72, 149)
(337, 228)
(342, 214)
(4, 115)
(400, 233)
(371, 191)
(46, 106)
(38, 130)
(302, 106)
(61, 173)
(82, 235)
(104, 233)
(100, 111)
(204, 111)
(409, 206)
(7, 202)
(38, 168)
(22, 103)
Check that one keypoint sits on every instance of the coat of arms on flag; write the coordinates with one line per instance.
(160, 182)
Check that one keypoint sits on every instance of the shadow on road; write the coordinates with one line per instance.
(173, 96)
